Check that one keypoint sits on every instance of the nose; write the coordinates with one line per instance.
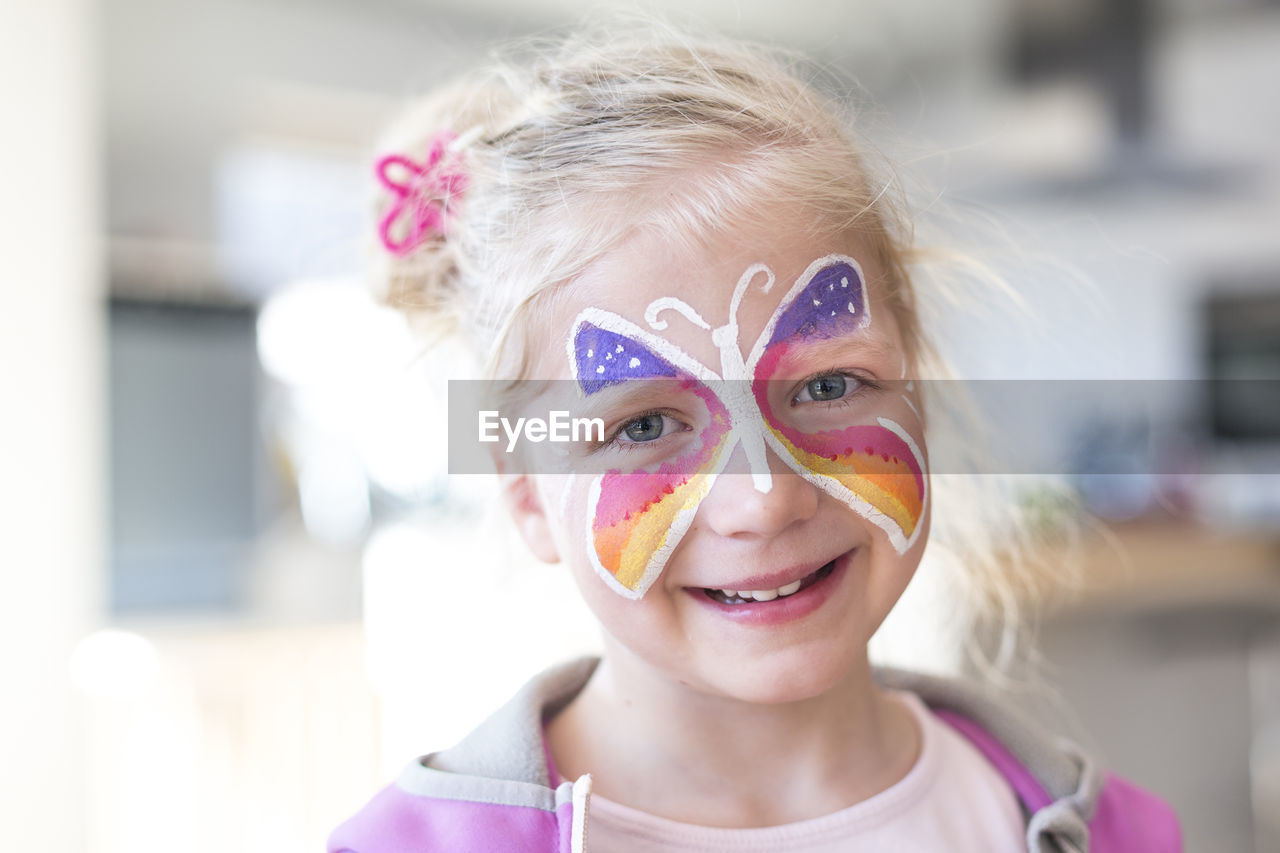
(736, 508)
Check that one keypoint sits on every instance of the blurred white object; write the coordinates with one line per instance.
(248, 739)
(114, 664)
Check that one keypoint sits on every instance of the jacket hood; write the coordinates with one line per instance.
(503, 760)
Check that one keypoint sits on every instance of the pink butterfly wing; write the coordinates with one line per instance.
(635, 519)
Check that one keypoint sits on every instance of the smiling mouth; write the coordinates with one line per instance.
(742, 596)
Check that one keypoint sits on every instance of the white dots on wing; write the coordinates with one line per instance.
(852, 310)
(619, 349)
(635, 362)
(844, 281)
(600, 369)
(590, 353)
(817, 302)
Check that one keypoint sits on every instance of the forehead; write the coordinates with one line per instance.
(647, 267)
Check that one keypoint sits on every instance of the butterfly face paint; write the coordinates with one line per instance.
(635, 520)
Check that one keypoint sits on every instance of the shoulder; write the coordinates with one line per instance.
(1069, 799)
(397, 819)
(490, 792)
(1130, 818)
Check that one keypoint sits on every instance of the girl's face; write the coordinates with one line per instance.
(761, 437)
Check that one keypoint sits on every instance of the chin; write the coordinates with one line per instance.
(789, 678)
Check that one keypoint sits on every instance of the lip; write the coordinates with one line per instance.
(779, 610)
(770, 580)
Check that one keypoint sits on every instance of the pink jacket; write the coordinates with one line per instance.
(492, 792)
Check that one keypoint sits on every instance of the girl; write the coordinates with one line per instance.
(686, 236)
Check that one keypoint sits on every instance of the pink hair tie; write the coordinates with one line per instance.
(424, 193)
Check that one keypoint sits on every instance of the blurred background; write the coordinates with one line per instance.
(240, 590)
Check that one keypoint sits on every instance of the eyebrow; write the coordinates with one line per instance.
(862, 341)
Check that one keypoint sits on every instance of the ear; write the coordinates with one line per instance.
(527, 507)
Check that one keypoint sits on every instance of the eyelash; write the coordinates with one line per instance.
(864, 384)
(612, 440)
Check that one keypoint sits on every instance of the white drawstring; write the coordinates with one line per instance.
(578, 832)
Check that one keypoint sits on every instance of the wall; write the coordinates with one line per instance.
(50, 441)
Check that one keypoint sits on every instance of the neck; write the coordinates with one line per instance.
(769, 763)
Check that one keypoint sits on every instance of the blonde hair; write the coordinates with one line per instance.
(569, 145)
(692, 134)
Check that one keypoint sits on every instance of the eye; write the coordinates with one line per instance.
(829, 386)
(647, 428)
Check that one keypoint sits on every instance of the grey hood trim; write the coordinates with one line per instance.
(508, 745)
(502, 761)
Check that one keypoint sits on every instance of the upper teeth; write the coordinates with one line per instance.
(763, 594)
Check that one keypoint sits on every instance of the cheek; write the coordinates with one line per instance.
(620, 528)
(635, 623)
